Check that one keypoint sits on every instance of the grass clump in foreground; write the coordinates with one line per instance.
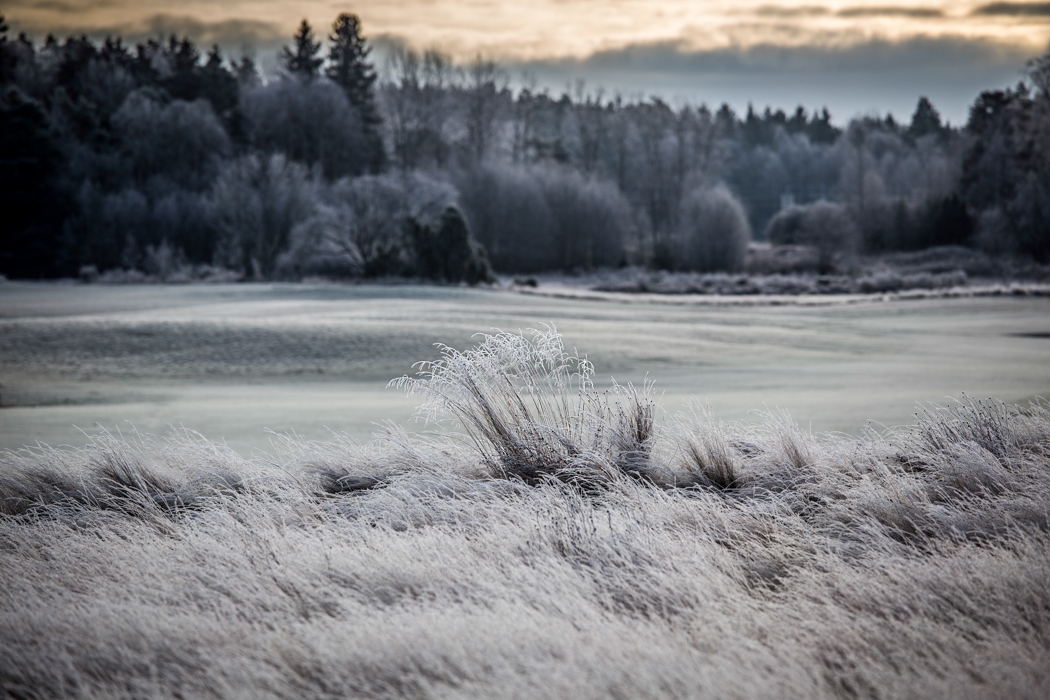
(563, 545)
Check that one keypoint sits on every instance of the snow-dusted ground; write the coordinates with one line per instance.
(233, 360)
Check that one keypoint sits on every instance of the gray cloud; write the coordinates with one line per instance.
(1015, 9)
(60, 6)
(63, 7)
(230, 34)
(874, 75)
(891, 11)
(804, 11)
(858, 11)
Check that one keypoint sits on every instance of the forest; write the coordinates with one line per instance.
(160, 160)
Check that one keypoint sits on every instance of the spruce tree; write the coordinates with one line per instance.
(926, 120)
(348, 67)
(7, 57)
(302, 60)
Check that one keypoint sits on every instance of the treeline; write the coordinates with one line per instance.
(155, 157)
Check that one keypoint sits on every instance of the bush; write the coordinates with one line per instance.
(258, 200)
(941, 221)
(544, 217)
(590, 218)
(362, 226)
(825, 226)
(1022, 226)
(186, 221)
(1029, 215)
(509, 215)
(448, 252)
(532, 413)
(713, 231)
(108, 229)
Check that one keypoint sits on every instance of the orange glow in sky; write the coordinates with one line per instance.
(554, 28)
(854, 55)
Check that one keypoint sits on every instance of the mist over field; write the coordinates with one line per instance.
(604, 349)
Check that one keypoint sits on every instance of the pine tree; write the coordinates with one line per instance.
(218, 83)
(7, 58)
(247, 73)
(302, 60)
(350, 69)
(926, 120)
(184, 83)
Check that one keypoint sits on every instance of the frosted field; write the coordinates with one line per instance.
(232, 361)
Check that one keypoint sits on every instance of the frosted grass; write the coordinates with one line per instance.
(722, 560)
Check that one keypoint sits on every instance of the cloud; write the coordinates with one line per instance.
(1015, 9)
(892, 11)
(60, 6)
(232, 33)
(870, 56)
(780, 12)
(849, 78)
(803, 11)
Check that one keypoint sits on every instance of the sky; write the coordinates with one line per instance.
(854, 57)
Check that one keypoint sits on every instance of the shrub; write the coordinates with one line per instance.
(826, 226)
(713, 231)
(544, 217)
(509, 215)
(364, 221)
(258, 200)
(186, 221)
(590, 219)
(108, 229)
(448, 252)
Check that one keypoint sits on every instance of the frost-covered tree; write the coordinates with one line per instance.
(181, 143)
(311, 122)
(257, 201)
(713, 231)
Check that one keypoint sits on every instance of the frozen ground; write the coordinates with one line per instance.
(233, 360)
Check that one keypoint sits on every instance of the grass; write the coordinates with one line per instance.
(545, 540)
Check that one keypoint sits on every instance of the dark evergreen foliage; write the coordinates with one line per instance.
(925, 121)
(7, 56)
(32, 206)
(448, 252)
(942, 221)
(302, 60)
(1006, 172)
(348, 67)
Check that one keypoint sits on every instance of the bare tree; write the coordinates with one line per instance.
(484, 84)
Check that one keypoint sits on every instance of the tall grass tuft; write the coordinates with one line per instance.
(531, 412)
